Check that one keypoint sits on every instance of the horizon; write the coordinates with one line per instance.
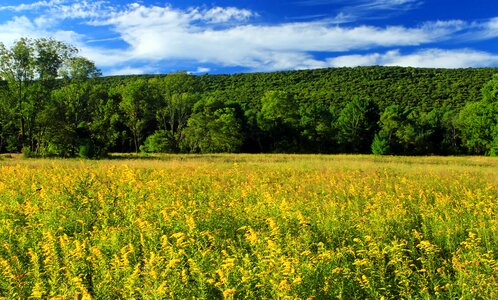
(298, 70)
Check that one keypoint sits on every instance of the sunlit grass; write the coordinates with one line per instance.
(249, 226)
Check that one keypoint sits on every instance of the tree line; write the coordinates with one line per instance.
(55, 103)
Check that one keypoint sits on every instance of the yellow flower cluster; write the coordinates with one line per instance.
(249, 227)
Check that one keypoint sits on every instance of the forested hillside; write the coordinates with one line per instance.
(424, 88)
(53, 103)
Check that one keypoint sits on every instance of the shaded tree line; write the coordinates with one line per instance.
(55, 103)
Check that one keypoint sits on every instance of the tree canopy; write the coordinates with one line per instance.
(54, 102)
(32, 70)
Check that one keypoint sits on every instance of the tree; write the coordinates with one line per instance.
(213, 128)
(156, 143)
(356, 125)
(316, 126)
(380, 144)
(8, 130)
(136, 107)
(494, 144)
(17, 68)
(477, 121)
(63, 121)
(104, 117)
(490, 90)
(436, 137)
(416, 131)
(80, 68)
(80, 119)
(385, 140)
(278, 107)
(413, 131)
(451, 135)
(279, 118)
(176, 98)
(30, 68)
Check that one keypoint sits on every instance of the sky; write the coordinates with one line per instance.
(152, 36)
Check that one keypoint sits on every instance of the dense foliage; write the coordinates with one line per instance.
(250, 227)
(53, 103)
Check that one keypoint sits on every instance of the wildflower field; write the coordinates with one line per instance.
(249, 227)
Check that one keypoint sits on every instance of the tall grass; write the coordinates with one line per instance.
(249, 226)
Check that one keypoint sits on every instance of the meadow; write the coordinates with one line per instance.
(249, 227)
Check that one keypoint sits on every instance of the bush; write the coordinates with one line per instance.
(494, 145)
(27, 153)
(380, 145)
(86, 150)
(156, 143)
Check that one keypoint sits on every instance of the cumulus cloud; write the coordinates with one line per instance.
(230, 36)
(162, 33)
(22, 26)
(15, 28)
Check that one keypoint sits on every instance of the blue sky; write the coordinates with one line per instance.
(220, 36)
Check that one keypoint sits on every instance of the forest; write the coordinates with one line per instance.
(55, 103)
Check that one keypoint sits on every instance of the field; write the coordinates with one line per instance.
(249, 227)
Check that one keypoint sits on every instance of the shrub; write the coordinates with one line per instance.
(156, 143)
(380, 145)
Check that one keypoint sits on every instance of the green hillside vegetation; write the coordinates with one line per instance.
(54, 103)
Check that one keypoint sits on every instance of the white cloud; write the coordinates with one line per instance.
(372, 4)
(18, 27)
(61, 9)
(226, 37)
(354, 10)
(429, 58)
(22, 26)
(47, 19)
(218, 15)
(32, 6)
(131, 71)
(493, 24)
(200, 70)
(386, 4)
(487, 30)
(80, 10)
(162, 33)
